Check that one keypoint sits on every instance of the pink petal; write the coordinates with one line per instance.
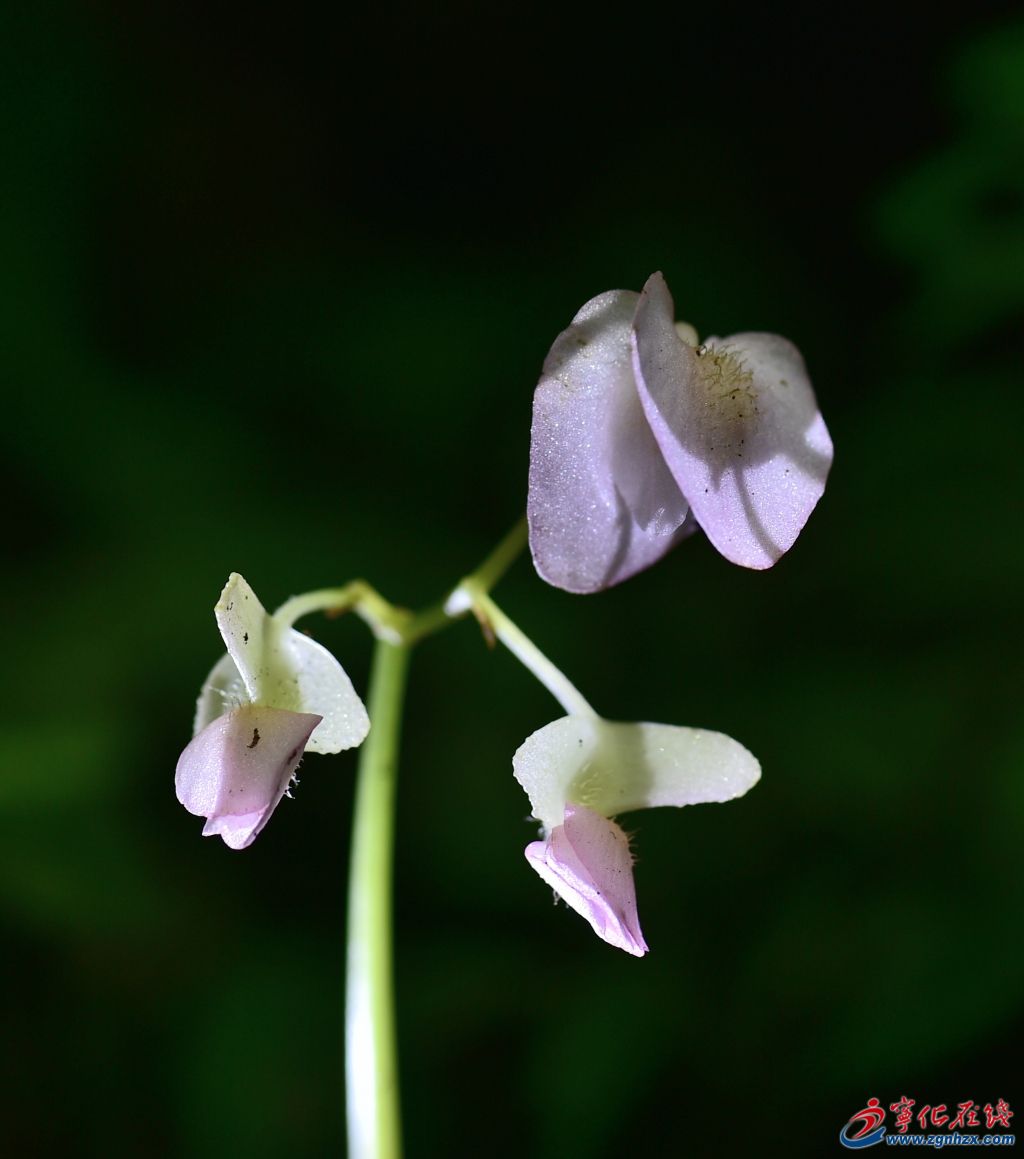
(237, 769)
(586, 861)
(602, 504)
(739, 429)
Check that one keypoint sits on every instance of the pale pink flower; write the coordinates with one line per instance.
(640, 434)
(274, 695)
(581, 771)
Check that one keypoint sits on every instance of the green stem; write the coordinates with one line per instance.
(374, 1130)
(502, 557)
(531, 657)
(386, 620)
(440, 615)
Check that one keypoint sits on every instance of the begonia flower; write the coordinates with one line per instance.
(580, 772)
(640, 434)
(274, 695)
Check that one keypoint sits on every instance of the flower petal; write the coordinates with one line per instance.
(586, 861)
(222, 691)
(739, 428)
(242, 621)
(324, 688)
(237, 769)
(602, 504)
(283, 668)
(612, 767)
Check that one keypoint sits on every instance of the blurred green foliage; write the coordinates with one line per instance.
(276, 294)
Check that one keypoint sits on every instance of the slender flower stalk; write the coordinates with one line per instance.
(371, 1059)
(374, 1130)
(531, 657)
(502, 557)
(471, 594)
(357, 596)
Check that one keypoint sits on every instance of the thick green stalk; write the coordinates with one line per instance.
(374, 1130)
(374, 1125)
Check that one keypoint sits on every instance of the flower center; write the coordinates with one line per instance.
(727, 385)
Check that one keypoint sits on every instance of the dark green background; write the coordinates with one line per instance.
(275, 294)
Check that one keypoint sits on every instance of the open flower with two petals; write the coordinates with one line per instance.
(640, 434)
(581, 771)
(275, 695)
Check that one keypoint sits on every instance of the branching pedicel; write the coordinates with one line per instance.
(640, 434)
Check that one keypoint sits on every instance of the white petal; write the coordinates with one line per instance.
(282, 668)
(602, 504)
(222, 691)
(739, 428)
(613, 767)
(323, 687)
(242, 621)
